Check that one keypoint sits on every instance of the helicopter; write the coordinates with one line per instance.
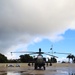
(39, 61)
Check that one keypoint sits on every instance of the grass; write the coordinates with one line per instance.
(26, 64)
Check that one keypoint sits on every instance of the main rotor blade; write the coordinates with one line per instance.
(21, 52)
(29, 52)
(61, 53)
(51, 55)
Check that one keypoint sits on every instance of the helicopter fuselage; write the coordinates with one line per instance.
(39, 62)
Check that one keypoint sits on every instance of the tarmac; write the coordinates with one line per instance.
(50, 70)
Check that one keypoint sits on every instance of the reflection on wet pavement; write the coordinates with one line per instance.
(48, 71)
(14, 73)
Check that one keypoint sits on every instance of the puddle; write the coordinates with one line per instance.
(50, 71)
(12, 73)
(19, 73)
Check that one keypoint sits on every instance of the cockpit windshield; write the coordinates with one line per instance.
(39, 56)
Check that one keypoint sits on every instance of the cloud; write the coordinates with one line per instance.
(22, 20)
(37, 39)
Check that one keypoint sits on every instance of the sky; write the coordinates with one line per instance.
(27, 25)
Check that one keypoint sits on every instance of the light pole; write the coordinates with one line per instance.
(52, 52)
(51, 49)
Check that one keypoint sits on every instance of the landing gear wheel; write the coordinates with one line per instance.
(35, 67)
(44, 68)
(40, 68)
(50, 64)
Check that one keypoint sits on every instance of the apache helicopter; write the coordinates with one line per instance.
(39, 61)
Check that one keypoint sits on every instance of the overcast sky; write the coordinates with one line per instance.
(27, 21)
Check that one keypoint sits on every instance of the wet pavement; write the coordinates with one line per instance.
(49, 71)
